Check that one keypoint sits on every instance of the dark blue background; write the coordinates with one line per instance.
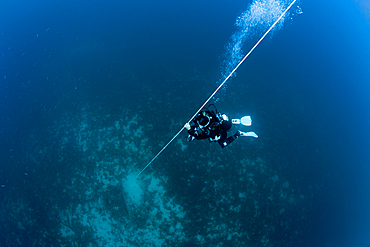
(307, 87)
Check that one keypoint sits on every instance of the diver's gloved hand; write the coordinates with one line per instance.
(190, 138)
(252, 134)
(187, 126)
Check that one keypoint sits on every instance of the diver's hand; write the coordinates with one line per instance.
(187, 126)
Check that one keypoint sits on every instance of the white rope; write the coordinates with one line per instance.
(218, 88)
(173, 138)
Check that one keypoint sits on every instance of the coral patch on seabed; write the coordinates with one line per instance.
(118, 208)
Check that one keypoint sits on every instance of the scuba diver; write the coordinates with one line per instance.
(214, 126)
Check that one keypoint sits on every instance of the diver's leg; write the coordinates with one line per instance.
(226, 141)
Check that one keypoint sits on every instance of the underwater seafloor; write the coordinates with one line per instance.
(80, 188)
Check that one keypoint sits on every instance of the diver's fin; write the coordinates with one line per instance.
(247, 121)
(252, 134)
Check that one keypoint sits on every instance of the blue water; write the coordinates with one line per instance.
(91, 91)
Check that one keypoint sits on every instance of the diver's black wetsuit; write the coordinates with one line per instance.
(209, 125)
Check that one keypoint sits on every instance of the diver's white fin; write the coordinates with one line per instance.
(252, 134)
(247, 121)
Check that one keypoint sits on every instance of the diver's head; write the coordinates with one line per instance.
(204, 120)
